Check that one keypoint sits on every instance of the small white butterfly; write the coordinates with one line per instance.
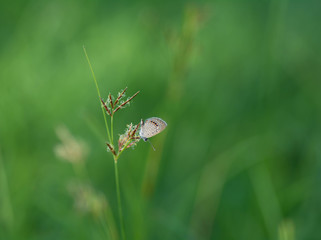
(151, 127)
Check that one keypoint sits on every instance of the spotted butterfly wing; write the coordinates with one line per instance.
(151, 127)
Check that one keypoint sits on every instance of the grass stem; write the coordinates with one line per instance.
(120, 210)
(95, 80)
(112, 129)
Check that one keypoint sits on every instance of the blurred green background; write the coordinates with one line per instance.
(238, 83)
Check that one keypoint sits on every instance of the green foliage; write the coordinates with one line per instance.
(238, 83)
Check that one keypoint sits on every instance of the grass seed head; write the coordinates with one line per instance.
(70, 149)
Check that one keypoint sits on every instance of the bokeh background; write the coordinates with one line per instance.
(238, 83)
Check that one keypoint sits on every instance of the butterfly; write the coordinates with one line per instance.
(151, 127)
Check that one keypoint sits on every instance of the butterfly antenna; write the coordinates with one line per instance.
(151, 144)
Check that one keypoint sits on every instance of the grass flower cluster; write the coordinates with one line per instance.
(130, 137)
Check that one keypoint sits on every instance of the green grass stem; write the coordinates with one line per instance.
(99, 96)
(112, 129)
(120, 210)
